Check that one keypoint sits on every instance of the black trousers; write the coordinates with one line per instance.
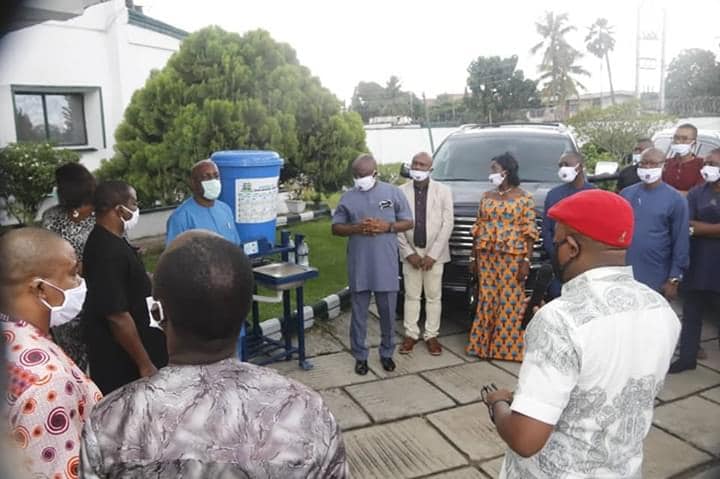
(696, 305)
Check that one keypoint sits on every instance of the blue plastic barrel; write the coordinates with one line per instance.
(250, 186)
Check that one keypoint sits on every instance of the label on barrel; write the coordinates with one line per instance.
(256, 199)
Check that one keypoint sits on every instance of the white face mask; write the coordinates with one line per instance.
(133, 221)
(680, 149)
(419, 175)
(636, 158)
(567, 174)
(496, 178)
(211, 189)
(365, 183)
(649, 175)
(710, 173)
(71, 306)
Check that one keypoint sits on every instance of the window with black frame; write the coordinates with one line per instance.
(58, 118)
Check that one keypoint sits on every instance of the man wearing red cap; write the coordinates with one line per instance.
(595, 358)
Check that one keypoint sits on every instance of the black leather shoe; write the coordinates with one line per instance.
(388, 364)
(679, 366)
(361, 367)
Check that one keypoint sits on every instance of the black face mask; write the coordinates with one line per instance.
(559, 269)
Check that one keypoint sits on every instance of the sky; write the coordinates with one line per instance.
(429, 44)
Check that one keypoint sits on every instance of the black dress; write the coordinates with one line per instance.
(117, 282)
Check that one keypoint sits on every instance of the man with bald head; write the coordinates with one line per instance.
(48, 397)
(571, 171)
(371, 215)
(207, 414)
(660, 250)
(595, 358)
(203, 210)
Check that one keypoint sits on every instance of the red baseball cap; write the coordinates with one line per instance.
(600, 215)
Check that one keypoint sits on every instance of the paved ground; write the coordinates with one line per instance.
(426, 419)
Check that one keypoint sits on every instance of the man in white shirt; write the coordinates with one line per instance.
(424, 250)
(595, 358)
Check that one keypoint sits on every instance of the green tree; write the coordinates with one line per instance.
(226, 91)
(616, 129)
(498, 88)
(28, 176)
(693, 73)
(559, 64)
(600, 42)
(371, 99)
(368, 100)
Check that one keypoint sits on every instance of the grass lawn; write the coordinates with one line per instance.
(327, 253)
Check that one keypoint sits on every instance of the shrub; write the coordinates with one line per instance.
(28, 176)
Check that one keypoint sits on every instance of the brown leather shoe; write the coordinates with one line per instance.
(434, 346)
(407, 345)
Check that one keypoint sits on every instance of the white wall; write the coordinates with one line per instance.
(98, 53)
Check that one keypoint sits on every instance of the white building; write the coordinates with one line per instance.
(70, 81)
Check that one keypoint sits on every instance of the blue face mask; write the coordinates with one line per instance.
(211, 189)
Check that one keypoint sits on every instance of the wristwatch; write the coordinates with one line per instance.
(692, 231)
(675, 281)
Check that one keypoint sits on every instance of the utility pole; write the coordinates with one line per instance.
(427, 123)
(662, 61)
(637, 51)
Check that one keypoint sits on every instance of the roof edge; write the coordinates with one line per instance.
(143, 21)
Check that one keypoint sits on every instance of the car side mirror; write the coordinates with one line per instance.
(405, 170)
(606, 168)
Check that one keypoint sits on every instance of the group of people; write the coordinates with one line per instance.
(99, 388)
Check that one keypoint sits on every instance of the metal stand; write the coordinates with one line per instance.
(285, 277)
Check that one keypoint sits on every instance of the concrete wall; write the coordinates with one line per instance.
(97, 54)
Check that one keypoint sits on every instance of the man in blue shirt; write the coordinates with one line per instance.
(572, 173)
(371, 215)
(203, 210)
(659, 253)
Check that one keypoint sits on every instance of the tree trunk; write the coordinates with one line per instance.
(612, 90)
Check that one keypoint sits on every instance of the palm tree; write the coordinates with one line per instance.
(600, 42)
(559, 64)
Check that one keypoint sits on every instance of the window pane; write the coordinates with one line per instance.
(29, 119)
(66, 122)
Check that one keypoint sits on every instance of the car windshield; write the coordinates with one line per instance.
(468, 159)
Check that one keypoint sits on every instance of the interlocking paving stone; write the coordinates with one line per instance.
(418, 360)
(512, 367)
(492, 468)
(346, 411)
(665, 455)
(319, 341)
(710, 473)
(709, 331)
(694, 419)
(399, 397)
(688, 382)
(465, 381)
(340, 328)
(402, 449)
(329, 371)
(470, 430)
(464, 473)
(456, 343)
(713, 394)
(713, 355)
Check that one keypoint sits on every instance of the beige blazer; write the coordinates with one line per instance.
(439, 222)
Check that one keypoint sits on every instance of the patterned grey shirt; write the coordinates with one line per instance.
(596, 358)
(223, 420)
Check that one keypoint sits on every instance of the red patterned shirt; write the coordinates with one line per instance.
(47, 401)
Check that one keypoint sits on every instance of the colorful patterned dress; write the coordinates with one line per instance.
(501, 233)
(47, 401)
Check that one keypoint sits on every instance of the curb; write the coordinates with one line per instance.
(302, 217)
(327, 308)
